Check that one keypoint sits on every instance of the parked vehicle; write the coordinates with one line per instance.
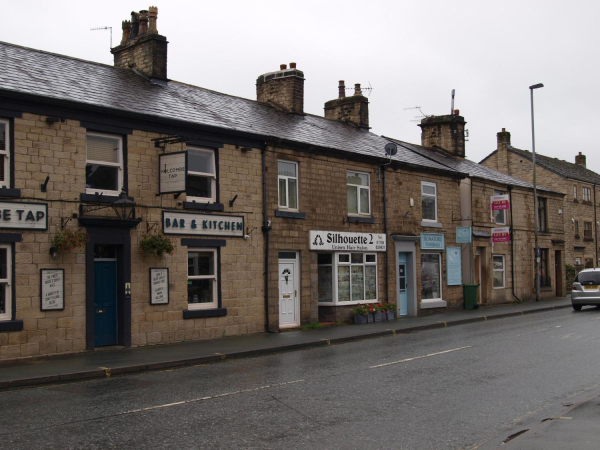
(586, 289)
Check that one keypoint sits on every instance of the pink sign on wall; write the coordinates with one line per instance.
(501, 234)
(499, 202)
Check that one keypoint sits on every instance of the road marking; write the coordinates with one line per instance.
(420, 357)
(210, 397)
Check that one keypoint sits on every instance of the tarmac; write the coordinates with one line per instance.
(106, 363)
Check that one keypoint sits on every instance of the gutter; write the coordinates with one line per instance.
(385, 231)
(266, 228)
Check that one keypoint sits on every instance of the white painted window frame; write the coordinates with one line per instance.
(503, 270)
(575, 192)
(360, 187)
(5, 283)
(287, 187)
(119, 165)
(588, 197)
(503, 211)
(215, 303)
(423, 194)
(6, 153)
(334, 279)
(212, 176)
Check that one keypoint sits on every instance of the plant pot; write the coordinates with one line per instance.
(378, 316)
(360, 319)
(370, 317)
(390, 315)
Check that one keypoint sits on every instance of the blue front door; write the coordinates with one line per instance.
(402, 284)
(105, 303)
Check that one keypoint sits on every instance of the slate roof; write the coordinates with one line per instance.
(558, 166)
(464, 165)
(42, 74)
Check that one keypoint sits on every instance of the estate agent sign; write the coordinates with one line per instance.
(172, 170)
(24, 216)
(499, 202)
(501, 234)
(199, 224)
(344, 241)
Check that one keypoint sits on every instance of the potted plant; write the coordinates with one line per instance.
(156, 244)
(378, 312)
(390, 311)
(68, 239)
(361, 314)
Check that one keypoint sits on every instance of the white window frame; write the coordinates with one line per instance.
(6, 153)
(212, 176)
(575, 191)
(119, 165)
(437, 299)
(287, 186)
(215, 277)
(359, 187)
(6, 284)
(588, 197)
(498, 211)
(334, 278)
(503, 270)
(423, 194)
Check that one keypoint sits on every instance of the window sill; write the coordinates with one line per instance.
(99, 198)
(588, 239)
(587, 202)
(355, 219)
(11, 325)
(427, 224)
(427, 304)
(204, 206)
(359, 302)
(198, 313)
(290, 215)
(13, 193)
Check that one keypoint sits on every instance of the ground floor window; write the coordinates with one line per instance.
(431, 276)
(499, 271)
(202, 278)
(345, 278)
(589, 263)
(545, 279)
(5, 274)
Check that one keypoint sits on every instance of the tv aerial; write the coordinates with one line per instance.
(104, 28)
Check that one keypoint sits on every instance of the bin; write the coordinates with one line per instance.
(470, 296)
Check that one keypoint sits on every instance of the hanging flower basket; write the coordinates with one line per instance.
(156, 244)
(68, 239)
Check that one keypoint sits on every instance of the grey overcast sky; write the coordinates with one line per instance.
(413, 53)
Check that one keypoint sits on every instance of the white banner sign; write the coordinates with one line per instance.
(159, 286)
(24, 216)
(344, 241)
(199, 224)
(52, 289)
(172, 170)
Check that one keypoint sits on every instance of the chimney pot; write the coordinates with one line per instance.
(152, 16)
(282, 66)
(456, 112)
(503, 130)
(126, 25)
(342, 89)
(292, 65)
(503, 137)
(143, 22)
(580, 159)
(357, 90)
(135, 24)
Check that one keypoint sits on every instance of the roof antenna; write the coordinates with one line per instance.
(452, 104)
(104, 28)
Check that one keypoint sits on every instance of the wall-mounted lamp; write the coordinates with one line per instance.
(572, 220)
(51, 120)
(53, 253)
(44, 186)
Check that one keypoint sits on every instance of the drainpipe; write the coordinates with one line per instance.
(595, 229)
(512, 245)
(266, 228)
(385, 231)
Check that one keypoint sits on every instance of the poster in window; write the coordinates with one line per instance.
(159, 286)
(52, 289)
(453, 266)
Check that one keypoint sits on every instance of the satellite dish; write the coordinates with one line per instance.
(391, 149)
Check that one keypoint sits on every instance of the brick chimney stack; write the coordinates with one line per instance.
(580, 159)
(283, 90)
(503, 139)
(444, 132)
(353, 109)
(141, 47)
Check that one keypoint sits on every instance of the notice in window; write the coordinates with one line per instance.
(52, 289)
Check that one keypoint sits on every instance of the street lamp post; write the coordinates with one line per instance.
(535, 199)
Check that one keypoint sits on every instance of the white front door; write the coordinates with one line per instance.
(289, 306)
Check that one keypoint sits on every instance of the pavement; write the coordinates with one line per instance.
(106, 363)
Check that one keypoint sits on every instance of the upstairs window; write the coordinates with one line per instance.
(587, 194)
(542, 215)
(577, 228)
(4, 154)
(587, 230)
(574, 192)
(288, 184)
(500, 214)
(358, 193)
(104, 164)
(201, 175)
(429, 201)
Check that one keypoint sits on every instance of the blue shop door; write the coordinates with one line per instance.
(402, 284)
(105, 303)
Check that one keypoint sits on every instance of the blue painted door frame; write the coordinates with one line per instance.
(402, 283)
(105, 303)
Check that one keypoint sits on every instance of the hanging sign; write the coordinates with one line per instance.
(199, 224)
(499, 202)
(501, 234)
(453, 266)
(430, 241)
(172, 173)
(463, 235)
(52, 289)
(159, 286)
(24, 216)
(345, 241)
